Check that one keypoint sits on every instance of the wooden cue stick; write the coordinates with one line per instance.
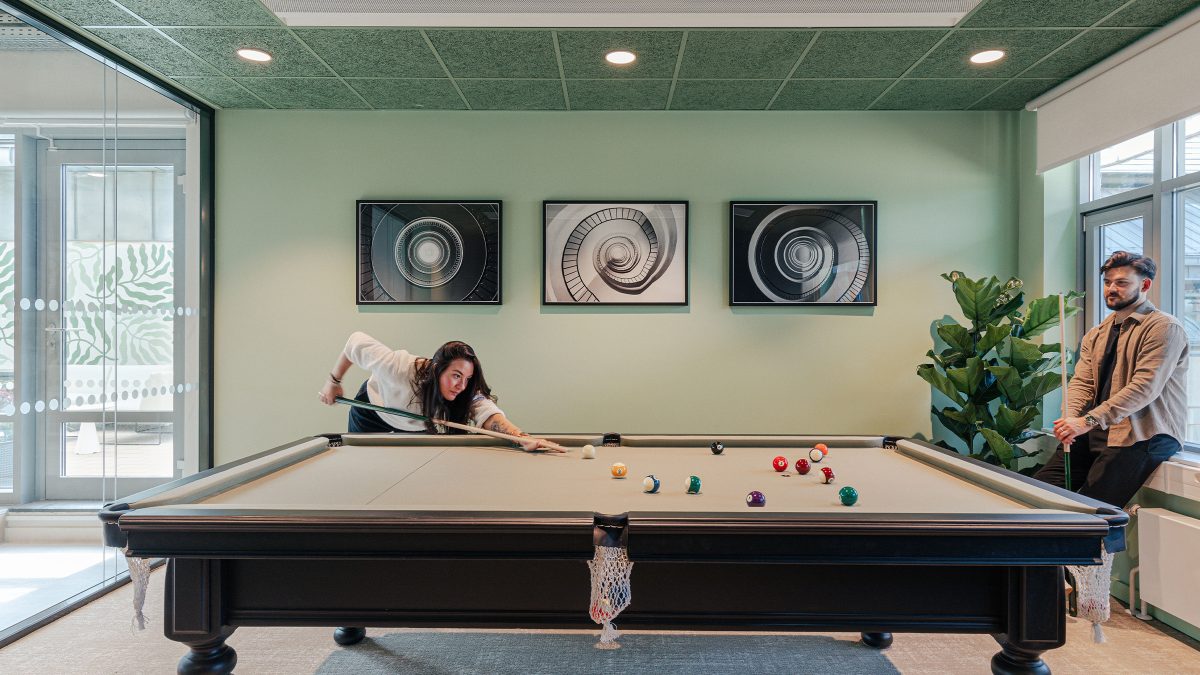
(1062, 351)
(465, 427)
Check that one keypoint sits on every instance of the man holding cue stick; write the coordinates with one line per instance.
(1125, 411)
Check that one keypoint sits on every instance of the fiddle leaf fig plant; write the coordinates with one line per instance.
(991, 370)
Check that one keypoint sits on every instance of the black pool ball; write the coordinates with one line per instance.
(717, 447)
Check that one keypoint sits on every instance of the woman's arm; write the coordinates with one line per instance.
(333, 383)
(498, 422)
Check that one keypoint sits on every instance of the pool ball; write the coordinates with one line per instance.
(822, 447)
(589, 452)
(756, 498)
(848, 495)
(650, 484)
(619, 470)
(828, 475)
(717, 447)
(780, 463)
(693, 485)
(816, 455)
(802, 466)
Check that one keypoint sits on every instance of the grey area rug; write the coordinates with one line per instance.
(547, 654)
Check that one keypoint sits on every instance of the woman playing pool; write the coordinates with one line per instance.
(448, 386)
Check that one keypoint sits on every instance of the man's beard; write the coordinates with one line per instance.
(1122, 303)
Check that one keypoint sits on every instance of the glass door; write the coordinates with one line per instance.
(108, 393)
(1123, 228)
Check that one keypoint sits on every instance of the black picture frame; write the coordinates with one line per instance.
(450, 252)
(635, 252)
(809, 253)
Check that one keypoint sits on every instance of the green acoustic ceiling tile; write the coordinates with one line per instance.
(513, 94)
(1040, 13)
(1024, 47)
(867, 53)
(1015, 94)
(747, 54)
(723, 94)
(219, 47)
(220, 91)
(1090, 48)
(935, 94)
(374, 52)
(154, 50)
(314, 93)
(1151, 12)
(829, 94)
(496, 53)
(618, 94)
(202, 12)
(90, 12)
(431, 94)
(583, 53)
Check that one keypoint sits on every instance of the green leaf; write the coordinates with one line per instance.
(967, 379)
(977, 298)
(1008, 381)
(957, 337)
(997, 444)
(1010, 423)
(1040, 385)
(940, 382)
(995, 333)
(1022, 354)
(965, 432)
(1042, 314)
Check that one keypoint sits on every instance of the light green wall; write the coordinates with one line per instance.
(286, 185)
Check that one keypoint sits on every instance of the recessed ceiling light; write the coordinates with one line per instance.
(988, 56)
(251, 54)
(620, 57)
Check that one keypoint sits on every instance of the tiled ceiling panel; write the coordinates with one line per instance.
(872, 67)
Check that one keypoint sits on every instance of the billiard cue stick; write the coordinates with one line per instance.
(553, 447)
(1062, 351)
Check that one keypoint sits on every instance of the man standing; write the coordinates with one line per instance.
(1127, 404)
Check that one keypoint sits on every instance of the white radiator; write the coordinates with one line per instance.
(1169, 562)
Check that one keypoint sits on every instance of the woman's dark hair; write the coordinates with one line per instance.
(425, 386)
(1140, 263)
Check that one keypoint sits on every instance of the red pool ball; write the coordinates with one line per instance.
(780, 463)
(802, 466)
(828, 474)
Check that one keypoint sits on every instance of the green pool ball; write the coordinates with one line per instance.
(848, 495)
(693, 485)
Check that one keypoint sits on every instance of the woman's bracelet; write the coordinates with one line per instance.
(334, 379)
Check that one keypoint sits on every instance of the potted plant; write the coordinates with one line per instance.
(992, 371)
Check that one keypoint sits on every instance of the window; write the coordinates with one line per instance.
(1129, 205)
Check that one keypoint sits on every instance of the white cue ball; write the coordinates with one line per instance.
(589, 452)
(816, 455)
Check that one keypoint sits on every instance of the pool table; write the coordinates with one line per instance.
(354, 530)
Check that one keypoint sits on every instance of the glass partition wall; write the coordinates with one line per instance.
(103, 369)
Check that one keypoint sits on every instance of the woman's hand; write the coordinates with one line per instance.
(538, 445)
(330, 392)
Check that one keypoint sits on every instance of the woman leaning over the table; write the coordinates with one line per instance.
(448, 386)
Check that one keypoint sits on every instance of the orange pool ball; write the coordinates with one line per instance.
(823, 448)
(619, 470)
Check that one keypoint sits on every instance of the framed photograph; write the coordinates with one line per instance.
(615, 253)
(802, 253)
(428, 252)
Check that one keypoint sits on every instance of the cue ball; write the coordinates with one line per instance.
(802, 466)
(816, 455)
(589, 451)
(650, 484)
(717, 447)
(848, 495)
(756, 498)
(828, 472)
(780, 463)
(619, 470)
